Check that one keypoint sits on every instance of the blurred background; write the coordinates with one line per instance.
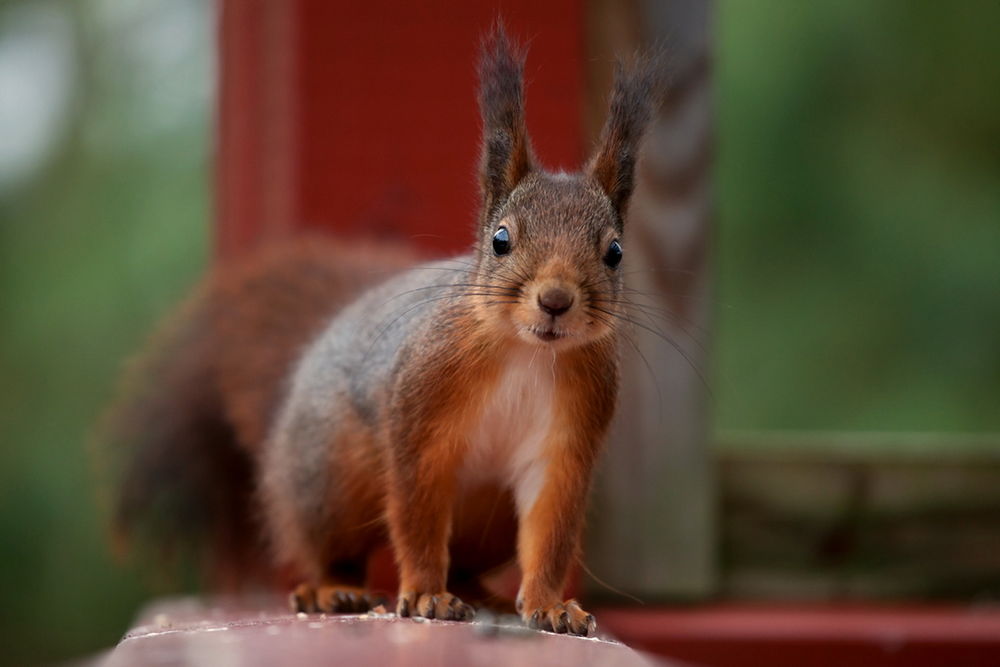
(857, 265)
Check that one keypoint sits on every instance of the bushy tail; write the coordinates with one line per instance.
(195, 408)
(180, 486)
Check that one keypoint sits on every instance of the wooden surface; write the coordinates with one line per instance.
(188, 632)
(814, 635)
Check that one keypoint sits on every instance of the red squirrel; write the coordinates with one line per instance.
(455, 409)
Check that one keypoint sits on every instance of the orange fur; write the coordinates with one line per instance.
(419, 507)
(549, 540)
(456, 411)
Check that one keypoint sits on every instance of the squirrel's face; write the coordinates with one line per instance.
(552, 257)
(550, 250)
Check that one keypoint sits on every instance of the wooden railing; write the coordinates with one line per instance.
(859, 515)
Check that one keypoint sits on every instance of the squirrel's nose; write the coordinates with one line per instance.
(555, 300)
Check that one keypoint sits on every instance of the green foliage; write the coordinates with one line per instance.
(92, 251)
(859, 235)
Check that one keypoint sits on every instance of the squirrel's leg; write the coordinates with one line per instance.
(419, 513)
(549, 539)
(342, 591)
(321, 508)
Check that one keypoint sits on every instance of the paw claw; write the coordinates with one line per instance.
(562, 617)
(302, 599)
(403, 607)
(330, 599)
(441, 606)
(563, 624)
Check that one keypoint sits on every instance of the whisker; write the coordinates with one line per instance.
(686, 297)
(510, 274)
(667, 314)
(651, 317)
(658, 306)
(628, 337)
(502, 291)
(423, 302)
(666, 339)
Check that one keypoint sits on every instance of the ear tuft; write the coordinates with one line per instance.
(506, 153)
(637, 90)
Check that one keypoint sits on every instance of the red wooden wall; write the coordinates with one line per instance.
(361, 116)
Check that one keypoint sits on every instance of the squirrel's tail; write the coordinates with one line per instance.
(180, 485)
(179, 445)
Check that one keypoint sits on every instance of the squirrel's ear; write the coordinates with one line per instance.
(506, 154)
(637, 89)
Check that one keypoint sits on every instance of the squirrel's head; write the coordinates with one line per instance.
(550, 249)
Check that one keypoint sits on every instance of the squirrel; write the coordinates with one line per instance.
(455, 409)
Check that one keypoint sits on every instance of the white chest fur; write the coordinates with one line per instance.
(507, 443)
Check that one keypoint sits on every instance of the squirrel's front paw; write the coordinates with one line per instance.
(562, 617)
(443, 606)
(346, 600)
(333, 599)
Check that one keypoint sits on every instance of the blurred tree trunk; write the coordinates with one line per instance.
(653, 529)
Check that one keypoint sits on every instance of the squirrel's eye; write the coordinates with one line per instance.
(613, 257)
(501, 241)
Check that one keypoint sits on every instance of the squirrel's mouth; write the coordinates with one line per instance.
(548, 335)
